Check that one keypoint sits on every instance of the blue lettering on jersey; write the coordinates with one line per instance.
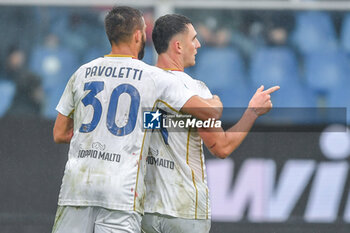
(114, 75)
(93, 71)
(127, 74)
(91, 99)
(100, 70)
(108, 71)
(121, 74)
(136, 70)
(114, 72)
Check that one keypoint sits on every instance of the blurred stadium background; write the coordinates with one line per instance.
(289, 176)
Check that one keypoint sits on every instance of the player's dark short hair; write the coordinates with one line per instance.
(165, 28)
(121, 22)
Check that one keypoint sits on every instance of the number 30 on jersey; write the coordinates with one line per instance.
(90, 99)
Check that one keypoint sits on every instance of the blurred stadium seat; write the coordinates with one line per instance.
(237, 96)
(92, 54)
(272, 66)
(314, 31)
(223, 70)
(294, 103)
(294, 96)
(345, 33)
(325, 70)
(339, 97)
(7, 93)
(219, 67)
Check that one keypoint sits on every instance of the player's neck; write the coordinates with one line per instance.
(124, 49)
(167, 62)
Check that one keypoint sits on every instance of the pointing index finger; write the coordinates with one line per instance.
(272, 89)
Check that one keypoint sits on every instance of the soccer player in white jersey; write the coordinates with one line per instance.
(101, 116)
(177, 196)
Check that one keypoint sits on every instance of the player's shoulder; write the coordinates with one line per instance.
(158, 74)
(197, 81)
(194, 83)
(91, 63)
(181, 74)
(149, 68)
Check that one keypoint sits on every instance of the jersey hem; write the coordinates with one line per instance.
(99, 204)
(181, 215)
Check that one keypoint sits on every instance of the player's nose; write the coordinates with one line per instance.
(198, 44)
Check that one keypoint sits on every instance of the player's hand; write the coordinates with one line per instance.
(218, 104)
(261, 100)
(217, 101)
(216, 97)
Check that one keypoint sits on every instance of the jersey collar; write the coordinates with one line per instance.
(171, 69)
(120, 55)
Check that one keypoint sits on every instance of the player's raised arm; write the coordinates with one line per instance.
(203, 109)
(63, 129)
(222, 143)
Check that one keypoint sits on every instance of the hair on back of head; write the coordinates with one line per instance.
(165, 28)
(121, 22)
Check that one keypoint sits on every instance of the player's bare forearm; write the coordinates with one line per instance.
(203, 109)
(63, 129)
(222, 143)
(216, 103)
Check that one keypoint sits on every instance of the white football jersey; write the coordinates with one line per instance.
(176, 179)
(106, 99)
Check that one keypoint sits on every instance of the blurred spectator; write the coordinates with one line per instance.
(150, 54)
(73, 32)
(206, 31)
(248, 37)
(149, 20)
(55, 64)
(277, 36)
(223, 37)
(205, 34)
(29, 94)
(278, 27)
(213, 33)
(16, 23)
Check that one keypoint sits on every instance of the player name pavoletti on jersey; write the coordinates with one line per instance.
(114, 72)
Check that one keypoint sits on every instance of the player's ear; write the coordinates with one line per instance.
(138, 36)
(177, 46)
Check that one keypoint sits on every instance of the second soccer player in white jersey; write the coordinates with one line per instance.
(101, 116)
(177, 197)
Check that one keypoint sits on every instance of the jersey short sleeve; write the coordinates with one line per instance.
(174, 92)
(66, 103)
(196, 86)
